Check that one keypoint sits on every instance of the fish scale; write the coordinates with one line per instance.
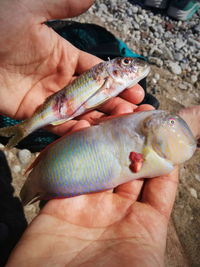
(102, 82)
(98, 158)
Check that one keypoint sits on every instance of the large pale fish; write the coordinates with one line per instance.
(88, 91)
(115, 151)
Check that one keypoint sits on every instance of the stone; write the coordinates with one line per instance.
(16, 168)
(156, 61)
(103, 7)
(194, 42)
(154, 81)
(193, 192)
(174, 67)
(169, 26)
(160, 29)
(135, 9)
(183, 86)
(166, 52)
(135, 25)
(157, 76)
(1, 146)
(156, 51)
(194, 78)
(10, 155)
(178, 56)
(197, 28)
(24, 156)
(179, 44)
(197, 177)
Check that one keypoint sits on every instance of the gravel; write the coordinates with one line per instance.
(24, 156)
(169, 43)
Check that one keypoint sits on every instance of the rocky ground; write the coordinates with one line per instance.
(172, 47)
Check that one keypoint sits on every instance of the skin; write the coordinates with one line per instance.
(192, 116)
(125, 228)
(128, 226)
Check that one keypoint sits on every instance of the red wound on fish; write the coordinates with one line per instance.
(136, 161)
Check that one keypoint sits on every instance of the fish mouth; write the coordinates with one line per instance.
(143, 74)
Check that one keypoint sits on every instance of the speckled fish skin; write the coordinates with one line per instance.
(95, 86)
(97, 158)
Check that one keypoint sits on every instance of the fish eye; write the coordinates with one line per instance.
(171, 121)
(126, 61)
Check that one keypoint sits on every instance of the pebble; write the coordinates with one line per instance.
(179, 44)
(193, 192)
(178, 56)
(197, 28)
(156, 61)
(103, 7)
(16, 168)
(154, 81)
(135, 25)
(194, 42)
(157, 76)
(1, 146)
(183, 86)
(24, 156)
(172, 40)
(10, 155)
(174, 67)
(197, 177)
(167, 53)
(194, 78)
(135, 9)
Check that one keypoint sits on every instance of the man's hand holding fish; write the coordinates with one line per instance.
(126, 226)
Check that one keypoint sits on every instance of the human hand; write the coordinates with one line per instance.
(124, 228)
(35, 62)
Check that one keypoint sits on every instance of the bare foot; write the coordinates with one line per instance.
(192, 116)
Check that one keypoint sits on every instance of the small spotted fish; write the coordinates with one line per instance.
(113, 152)
(102, 82)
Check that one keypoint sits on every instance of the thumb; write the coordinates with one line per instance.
(59, 9)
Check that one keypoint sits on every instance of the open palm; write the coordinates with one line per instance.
(122, 228)
(105, 229)
(36, 62)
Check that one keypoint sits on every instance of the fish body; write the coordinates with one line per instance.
(92, 88)
(98, 158)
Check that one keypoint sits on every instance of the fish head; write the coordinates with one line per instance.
(128, 70)
(170, 137)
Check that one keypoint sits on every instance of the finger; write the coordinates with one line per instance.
(80, 125)
(160, 192)
(58, 9)
(144, 107)
(135, 95)
(86, 61)
(92, 116)
(63, 128)
(117, 105)
(130, 190)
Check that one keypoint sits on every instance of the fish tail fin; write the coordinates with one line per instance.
(28, 194)
(16, 132)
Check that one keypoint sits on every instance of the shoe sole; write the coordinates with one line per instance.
(162, 4)
(182, 14)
